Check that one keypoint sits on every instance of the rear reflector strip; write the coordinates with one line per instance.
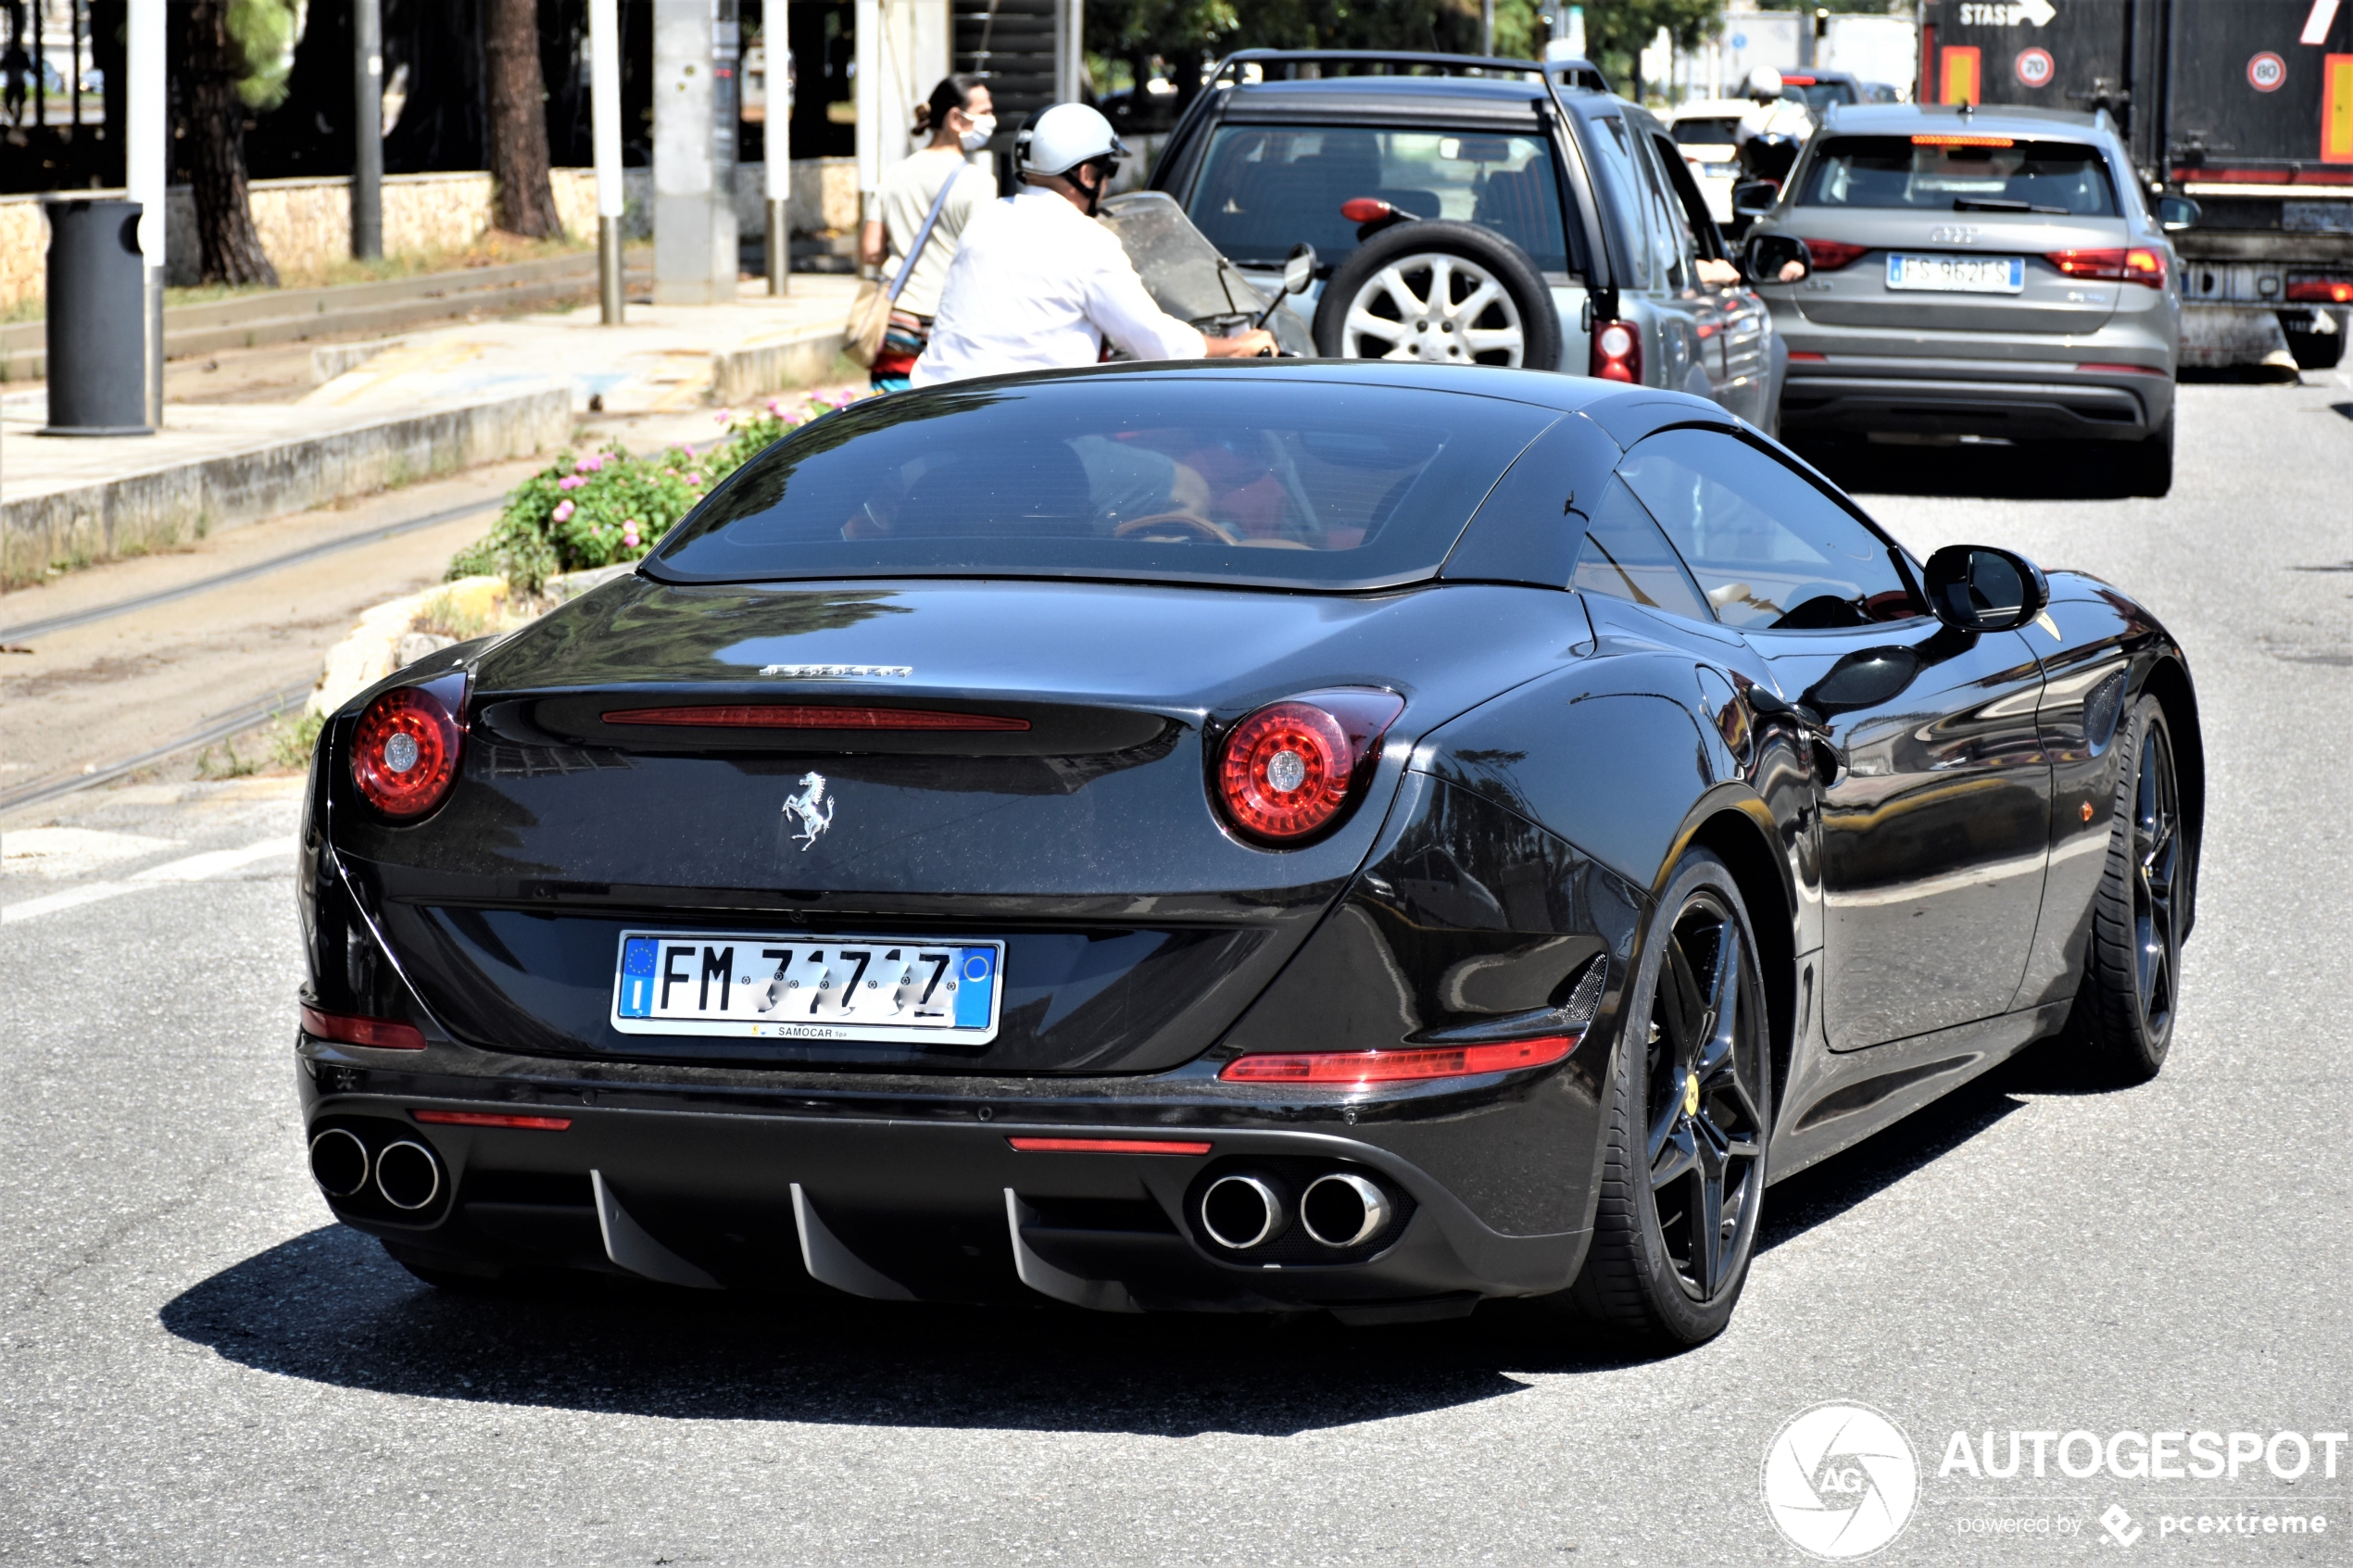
(1393, 1067)
(492, 1119)
(1803, 356)
(1943, 141)
(1105, 1146)
(799, 716)
(383, 1033)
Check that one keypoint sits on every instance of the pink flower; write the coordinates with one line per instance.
(569, 482)
(563, 510)
(695, 479)
(629, 537)
(724, 415)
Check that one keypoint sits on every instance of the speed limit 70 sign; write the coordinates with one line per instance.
(2035, 67)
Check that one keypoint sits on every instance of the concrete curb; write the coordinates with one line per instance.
(741, 376)
(189, 499)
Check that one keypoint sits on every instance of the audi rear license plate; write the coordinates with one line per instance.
(1958, 274)
(875, 988)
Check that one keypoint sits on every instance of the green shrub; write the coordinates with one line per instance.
(582, 512)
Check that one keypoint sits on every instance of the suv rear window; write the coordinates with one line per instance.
(1706, 130)
(1270, 481)
(1930, 173)
(1262, 189)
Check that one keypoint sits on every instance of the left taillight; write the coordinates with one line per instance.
(1617, 352)
(404, 752)
(1289, 769)
(383, 1033)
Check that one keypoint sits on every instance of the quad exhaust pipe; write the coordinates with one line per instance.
(1339, 1209)
(408, 1176)
(339, 1163)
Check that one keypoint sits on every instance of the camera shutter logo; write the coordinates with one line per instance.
(1840, 1481)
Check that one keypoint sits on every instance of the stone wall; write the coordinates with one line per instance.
(305, 224)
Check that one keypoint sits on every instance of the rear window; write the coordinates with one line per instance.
(1282, 481)
(1817, 95)
(1931, 174)
(1706, 132)
(1262, 189)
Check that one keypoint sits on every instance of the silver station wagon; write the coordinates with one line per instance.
(1938, 272)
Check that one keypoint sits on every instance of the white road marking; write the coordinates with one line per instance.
(191, 868)
(69, 854)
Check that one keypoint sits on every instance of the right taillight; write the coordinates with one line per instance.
(1617, 352)
(2321, 290)
(404, 752)
(1289, 770)
(2138, 264)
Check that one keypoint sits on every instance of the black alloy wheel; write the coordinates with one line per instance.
(2124, 1009)
(1684, 1176)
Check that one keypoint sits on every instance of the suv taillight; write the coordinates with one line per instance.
(2137, 265)
(1617, 352)
(1828, 255)
(404, 751)
(1289, 769)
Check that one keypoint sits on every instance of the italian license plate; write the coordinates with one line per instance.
(847, 988)
(1958, 274)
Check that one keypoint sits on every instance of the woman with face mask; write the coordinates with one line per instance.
(960, 120)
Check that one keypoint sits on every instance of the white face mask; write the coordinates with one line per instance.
(984, 127)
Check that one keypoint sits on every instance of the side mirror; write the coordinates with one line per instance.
(1755, 198)
(1978, 589)
(1769, 256)
(1298, 269)
(2177, 213)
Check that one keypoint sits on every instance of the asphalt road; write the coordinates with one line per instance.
(197, 1366)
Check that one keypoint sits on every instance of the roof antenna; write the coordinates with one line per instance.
(1968, 107)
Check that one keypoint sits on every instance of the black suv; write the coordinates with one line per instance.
(1469, 209)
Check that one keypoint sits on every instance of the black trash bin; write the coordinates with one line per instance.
(97, 320)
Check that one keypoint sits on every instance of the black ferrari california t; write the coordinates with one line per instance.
(1343, 837)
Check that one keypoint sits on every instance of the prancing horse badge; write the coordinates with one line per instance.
(811, 809)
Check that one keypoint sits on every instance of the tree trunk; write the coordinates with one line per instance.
(526, 202)
(230, 250)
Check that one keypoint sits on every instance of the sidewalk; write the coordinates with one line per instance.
(428, 403)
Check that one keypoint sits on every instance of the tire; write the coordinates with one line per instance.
(2148, 463)
(1645, 1274)
(2316, 351)
(2124, 1007)
(1403, 293)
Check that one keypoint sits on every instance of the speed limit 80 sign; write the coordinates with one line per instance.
(2266, 72)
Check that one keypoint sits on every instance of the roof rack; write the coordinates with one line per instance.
(1404, 63)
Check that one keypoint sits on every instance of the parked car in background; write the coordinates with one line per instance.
(1468, 209)
(1821, 89)
(1941, 272)
(1706, 130)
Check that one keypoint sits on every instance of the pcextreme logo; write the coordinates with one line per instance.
(1839, 1481)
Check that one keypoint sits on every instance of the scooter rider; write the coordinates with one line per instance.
(1038, 285)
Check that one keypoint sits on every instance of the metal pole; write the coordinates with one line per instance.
(367, 129)
(604, 105)
(777, 33)
(146, 141)
(1486, 28)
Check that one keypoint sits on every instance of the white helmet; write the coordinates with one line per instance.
(1764, 82)
(1063, 137)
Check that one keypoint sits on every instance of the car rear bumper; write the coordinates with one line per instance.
(930, 1199)
(1843, 393)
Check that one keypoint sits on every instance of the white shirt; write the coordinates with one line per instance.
(1038, 285)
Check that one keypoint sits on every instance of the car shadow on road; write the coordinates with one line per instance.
(2034, 471)
(329, 1306)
